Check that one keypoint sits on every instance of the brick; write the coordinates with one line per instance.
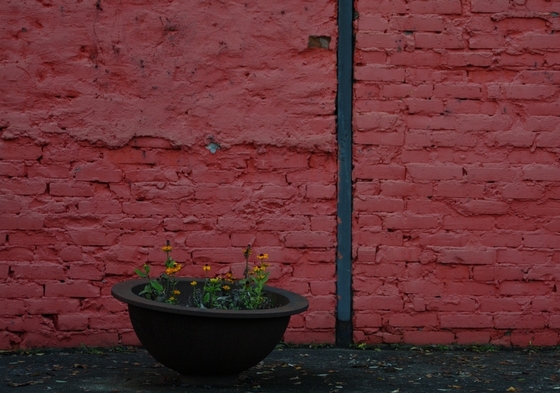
(418, 337)
(468, 256)
(149, 208)
(389, 254)
(98, 173)
(434, 172)
(16, 290)
(99, 207)
(379, 40)
(320, 288)
(423, 287)
(472, 337)
(519, 321)
(319, 191)
(438, 41)
(477, 59)
(402, 188)
(85, 271)
(320, 320)
(493, 305)
(470, 288)
(489, 6)
(309, 239)
(502, 239)
(367, 320)
(382, 172)
(379, 204)
(548, 139)
(407, 90)
(431, 122)
(529, 92)
(71, 289)
(522, 191)
(372, 23)
(19, 149)
(465, 321)
(317, 271)
(411, 222)
(457, 189)
(13, 307)
(135, 155)
(71, 189)
(12, 169)
(93, 237)
(541, 172)
(373, 302)
(417, 23)
(480, 207)
(512, 288)
(10, 204)
(38, 271)
(541, 240)
(67, 322)
(275, 192)
(456, 304)
(22, 222)
(487, 41)
(438, 7)
(415, 59)
(23, 187)
(444, 239)
(378, 73)
(414, 320)
(478, 174)
(51, 305)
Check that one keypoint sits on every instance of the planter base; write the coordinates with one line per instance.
(205, 346)
(210, 380)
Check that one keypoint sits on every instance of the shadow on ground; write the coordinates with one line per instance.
(301, 369)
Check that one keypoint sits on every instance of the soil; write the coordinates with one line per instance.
(292, 369)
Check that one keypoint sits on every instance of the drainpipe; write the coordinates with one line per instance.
(344, 207)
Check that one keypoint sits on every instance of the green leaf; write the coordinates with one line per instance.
(140, 273)
(156, 285)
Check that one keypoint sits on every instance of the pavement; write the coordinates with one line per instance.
(394, 369)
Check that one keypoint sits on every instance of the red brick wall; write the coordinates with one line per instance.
(108, 110)
(457, 174)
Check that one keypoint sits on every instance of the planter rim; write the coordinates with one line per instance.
(123, 292)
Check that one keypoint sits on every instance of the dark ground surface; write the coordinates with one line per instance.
(300, 369)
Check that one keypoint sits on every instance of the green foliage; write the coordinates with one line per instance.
(163, 288)
(220, 292)
(227, 293)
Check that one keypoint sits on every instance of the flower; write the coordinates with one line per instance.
(223, 291)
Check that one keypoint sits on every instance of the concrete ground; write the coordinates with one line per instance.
(289, 369)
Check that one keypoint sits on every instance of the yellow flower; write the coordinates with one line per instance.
(176, 292)
(226, 287)
(214, 280)
(167, 248)
(171, 298)
(247, 251)
(256, 269)
(206, 267)
(262, 256)
(193, 283)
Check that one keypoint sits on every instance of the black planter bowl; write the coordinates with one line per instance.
(204, 344)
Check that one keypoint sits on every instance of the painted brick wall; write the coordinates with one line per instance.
(457, 173)
(108, 115)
